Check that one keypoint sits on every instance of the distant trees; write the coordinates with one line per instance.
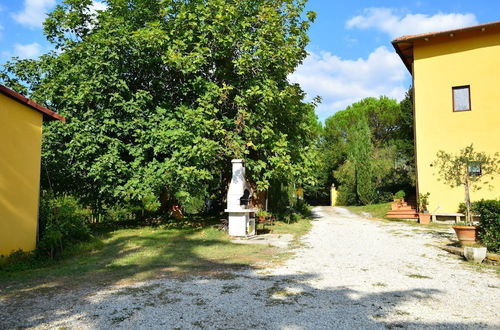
(367, 151)
(160, 95)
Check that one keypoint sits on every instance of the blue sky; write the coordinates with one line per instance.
(350, 52)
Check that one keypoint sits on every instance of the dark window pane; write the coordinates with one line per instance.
(474, 168)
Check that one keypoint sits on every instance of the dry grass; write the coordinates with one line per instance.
(128, 255)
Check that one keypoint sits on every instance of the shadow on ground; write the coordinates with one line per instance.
(131, 255)
(212, 293)
(232, 301)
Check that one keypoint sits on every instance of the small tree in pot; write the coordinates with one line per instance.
(424, 216)
(262, 215)
(470, 169)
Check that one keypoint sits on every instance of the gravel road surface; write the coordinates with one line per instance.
(350, 273)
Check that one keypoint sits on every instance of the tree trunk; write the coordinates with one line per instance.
(467, 202)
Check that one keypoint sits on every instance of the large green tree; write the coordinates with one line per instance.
(159, 95)
(367, 150)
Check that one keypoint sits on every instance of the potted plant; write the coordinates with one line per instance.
(262, 215)
(468, 168)
(398, 199)
(424, 217)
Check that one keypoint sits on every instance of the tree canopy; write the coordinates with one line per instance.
(367, 150)
(160, 95)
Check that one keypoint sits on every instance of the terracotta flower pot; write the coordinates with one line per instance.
(465, 234)
(424, 218)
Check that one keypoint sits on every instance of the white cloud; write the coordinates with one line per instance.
(388, 21)
(34, 12)
(27, 51)
(342, 82)
(93, 9)
(97, 5)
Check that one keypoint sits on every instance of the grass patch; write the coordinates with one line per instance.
(485, 268)
(230, 288)
(138, 254)
(419, 276)
(298, 228)
(376, 210)
(380, 284)
(277, 295)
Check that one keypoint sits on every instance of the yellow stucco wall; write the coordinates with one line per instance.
(474, 61)
(20, 147)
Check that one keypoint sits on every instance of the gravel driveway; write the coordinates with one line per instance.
(351, 273)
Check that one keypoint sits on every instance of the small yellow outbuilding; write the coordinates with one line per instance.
(20, 157)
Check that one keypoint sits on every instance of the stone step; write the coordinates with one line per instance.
(403, 208)
(402, 216)
(411, 211)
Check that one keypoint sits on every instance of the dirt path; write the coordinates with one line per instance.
(350, 273)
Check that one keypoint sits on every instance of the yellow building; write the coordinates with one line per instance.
(456, 102)
(21, 136)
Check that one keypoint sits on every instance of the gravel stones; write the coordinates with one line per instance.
(350, 273)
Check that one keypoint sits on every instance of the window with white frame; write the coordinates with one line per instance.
(461, 98)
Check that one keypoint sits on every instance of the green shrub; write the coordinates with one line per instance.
(489, 223)
(63, 221)
(281, 197)
(462, 208)
(194, 205)
(118, 213)
(262, 213)
(346, 197)
(303, 208)
(191, 203)
(423, 201)
(18, 261)
(400, 194)
(383, 197)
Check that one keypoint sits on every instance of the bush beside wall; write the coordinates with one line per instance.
(489, 224)
(63, 221)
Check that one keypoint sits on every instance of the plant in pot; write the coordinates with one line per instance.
(424, 217)
(469, 169)
(262, 215)
(398, 199)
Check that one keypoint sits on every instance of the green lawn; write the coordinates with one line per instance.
(143, 253)
(376, 210)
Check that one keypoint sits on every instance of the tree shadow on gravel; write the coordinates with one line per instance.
(132, 256)
(226, 301)
(190, 290)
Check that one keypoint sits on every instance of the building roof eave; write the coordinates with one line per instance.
(404, 45)
(48, 114)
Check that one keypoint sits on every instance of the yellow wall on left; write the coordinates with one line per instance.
(20, 152)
